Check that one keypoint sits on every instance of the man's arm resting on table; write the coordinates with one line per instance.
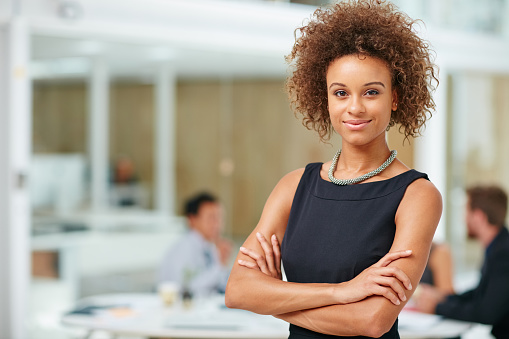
(487, 303)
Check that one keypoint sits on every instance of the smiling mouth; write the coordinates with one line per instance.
(356, 124)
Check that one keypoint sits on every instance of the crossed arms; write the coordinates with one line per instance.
(374, 297)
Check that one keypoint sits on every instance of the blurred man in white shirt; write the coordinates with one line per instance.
(199, 261)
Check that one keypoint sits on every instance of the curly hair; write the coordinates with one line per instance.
(365, 27)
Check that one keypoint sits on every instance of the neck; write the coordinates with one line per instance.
(359, 159)
(488, 235)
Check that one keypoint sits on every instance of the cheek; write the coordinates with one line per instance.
(336, 109)
(385, 113)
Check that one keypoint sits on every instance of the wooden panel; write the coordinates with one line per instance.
(132, 128)
(405, 148)
(59, 118)
(198, 139)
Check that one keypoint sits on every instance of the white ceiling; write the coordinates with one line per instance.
(63, 57)
(199, 38)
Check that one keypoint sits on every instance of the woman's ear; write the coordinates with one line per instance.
(394, 100)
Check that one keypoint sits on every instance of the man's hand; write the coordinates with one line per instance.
(224, 247)
(427, 297)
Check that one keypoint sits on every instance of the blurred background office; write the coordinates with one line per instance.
(187, 96)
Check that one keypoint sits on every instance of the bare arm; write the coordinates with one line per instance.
(416, 221)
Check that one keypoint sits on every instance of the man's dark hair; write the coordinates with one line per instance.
(192, 205)
(491, 200)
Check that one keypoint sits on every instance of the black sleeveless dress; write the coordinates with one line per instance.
(335, 232)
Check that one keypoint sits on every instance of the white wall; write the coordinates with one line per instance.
(15, 141)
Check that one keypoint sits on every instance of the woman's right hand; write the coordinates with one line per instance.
(270, 262)
(378, 279)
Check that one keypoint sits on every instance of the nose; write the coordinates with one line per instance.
(356, 105)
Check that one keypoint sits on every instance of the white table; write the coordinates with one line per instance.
(415, 325)
(145, 315)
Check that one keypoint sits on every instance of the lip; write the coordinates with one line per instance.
(356, 125)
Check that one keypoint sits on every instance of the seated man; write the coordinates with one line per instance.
(198, 261)
(488, 303)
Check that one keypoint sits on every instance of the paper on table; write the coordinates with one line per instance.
(223, 320)
(417, 320)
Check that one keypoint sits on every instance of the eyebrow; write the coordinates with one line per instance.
(375, 83)
(367, 84)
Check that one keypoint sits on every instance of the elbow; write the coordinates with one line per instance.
(380, 322)
(376, 330)
(230, 301)
(231, 296)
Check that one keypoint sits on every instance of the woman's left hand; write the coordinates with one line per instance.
(270, 262)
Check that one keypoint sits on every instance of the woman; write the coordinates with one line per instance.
(439, 269)
(352, 249)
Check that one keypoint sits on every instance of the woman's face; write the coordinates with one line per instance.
(360, 98)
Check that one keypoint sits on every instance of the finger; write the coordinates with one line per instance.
(250, 253)
(259, 259)
(269, 255)
(392, 256)
(401, 276)
(248, 264)
(277, 253)
(396, 273)
(393, 284)
(388, 294)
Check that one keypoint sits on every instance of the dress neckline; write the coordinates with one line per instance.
(325, 189)
(364, 183)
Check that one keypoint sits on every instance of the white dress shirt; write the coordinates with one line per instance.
(193, 261)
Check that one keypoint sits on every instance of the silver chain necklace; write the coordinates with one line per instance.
(343, 182)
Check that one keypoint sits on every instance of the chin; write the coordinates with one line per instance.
(361, 138)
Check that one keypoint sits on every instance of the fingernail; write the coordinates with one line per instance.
(409, 286)
(242, 248)
(404, 298)
(408, 251)
(239, 261)
(397, 302)
(274, 236)
(258, 234)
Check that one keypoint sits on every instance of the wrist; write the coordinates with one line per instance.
(338, 294)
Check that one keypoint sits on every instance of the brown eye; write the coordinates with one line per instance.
(340, 93)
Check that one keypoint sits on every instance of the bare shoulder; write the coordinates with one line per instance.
(277, 207)
(284, 191)
(423, 189)
(289, 182)
(421, 200)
